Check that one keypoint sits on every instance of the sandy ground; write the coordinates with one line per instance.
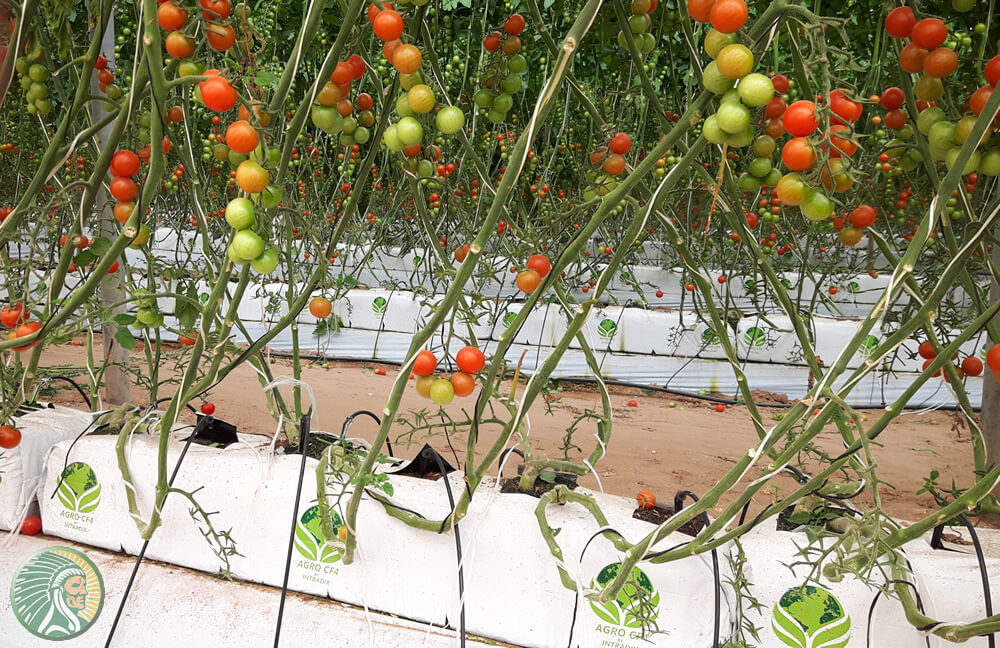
(655, 446)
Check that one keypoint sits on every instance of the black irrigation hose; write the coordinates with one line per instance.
(980, 558)
(69, 450)
(153, 406)
(871, 610)
(350, 419)
(303, 445)
(431, 453)
(204, 422)
(86, 398)
(678, 505)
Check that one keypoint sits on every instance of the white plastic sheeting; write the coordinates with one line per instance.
(21, 468)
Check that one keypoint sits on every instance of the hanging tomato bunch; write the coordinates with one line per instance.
(500, 79)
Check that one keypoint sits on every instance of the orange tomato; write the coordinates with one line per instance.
(320, 307)
(463, 384)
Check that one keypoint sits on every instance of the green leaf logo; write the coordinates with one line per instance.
(709, 337)
(811, 617)
(637, 605)
(309, 537)
(854, 287)
(78, 488)
(509, 318)
(379, 305)
(755, 337)
(983, 351)
(868, 346)
(607, 329)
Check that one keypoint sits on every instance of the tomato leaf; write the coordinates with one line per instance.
(124, 337)
(124, 319)
(100, 246)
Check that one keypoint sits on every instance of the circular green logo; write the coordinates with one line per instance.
(637, 604)
(57, 593)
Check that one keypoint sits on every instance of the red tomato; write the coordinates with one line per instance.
(929, 33)
(123, 189)
(514, 24)
(800, 119)
(972, 366)
(780, 83)
(720, 408)
(539, 263)
(992, 71)
(14, 315)
(425, 364)
(863, 216)
(892, 98)
(25, 330)
(9, 437)
(32, 525)
(993, 357)
(633, 403)
(470, 360)
(900, 21)
(124, 164)
(620, 144)
(208, 409)
(645, 499)
(926, 350)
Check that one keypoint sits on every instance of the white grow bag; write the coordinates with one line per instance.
(21, 467)
(512, 587)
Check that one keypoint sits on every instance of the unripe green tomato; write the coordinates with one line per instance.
(267, 261)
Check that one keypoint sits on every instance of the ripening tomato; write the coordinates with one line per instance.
(407, 59)
(123, 211)
(462, 252)
(800, 119)
(539, 263)
(123, 189)
(425, 364)
(423, 385)
(926, 350)
(780, 82)
(977, 102)
(251, 177)
(620, 144)
(798, 154)
(217, 94)
(470, 360)
(841, 145)
(792, 189)
(929, 33)
(358, 66)
(729, 16)
(701, 10)
(220, 37)
(320, 307)
(993, 358)
(863, 216)
(911, 58)
(972, 366)
(170, 16)
(463, 384)
(124, 164)
(242, 137)
(894, 119)
(850, 236)
(645, 499)
(9, 437)
(892, 98)
(900, 21)
(941, 62)
(215, 9)
(775, 108)
(843, 107)
(178, 45)
(514, 25)
(14, 315)
(388, 25)
(25, 330)
(992, 72)
(364, 101)
(343, 73)
(188, 339)
(529, 281)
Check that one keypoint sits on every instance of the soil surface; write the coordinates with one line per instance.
(665, 444)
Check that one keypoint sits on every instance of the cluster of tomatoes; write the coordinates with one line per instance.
(32, 74)
(638, 25)
(927, 55)
(220, 35)
(442, 391)
(106, 79)
(537, 268)
(970, 366)
(501, 79)
(333, 112)
(124, 166)
(17, 318)
(610, 160)
(417, 99)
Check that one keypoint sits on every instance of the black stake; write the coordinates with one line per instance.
(303, 445)
(205, 421)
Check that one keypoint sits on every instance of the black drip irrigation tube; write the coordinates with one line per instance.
(303, 445)
(202, 424)
(86, 398)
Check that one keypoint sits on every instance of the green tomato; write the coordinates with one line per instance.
(240, 213)
(362, 135)
(749, 183)
(712, 132)
(760, 167)
(247, 245)
(755, 90)
(714, 81)
(517, 64)
(420, 99)
(764, 146)
(442, 392)
(235, 258)
(38, 72)
(817, 206)
(327, 119)
(483, 98)
(952, 157)
(391, 139)
(771, 180)
(732, 117)
(928, 118)
(990, 162)
(409, 131)
(511, 84)
(450, 120)
(267, 261)
(503, 102)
